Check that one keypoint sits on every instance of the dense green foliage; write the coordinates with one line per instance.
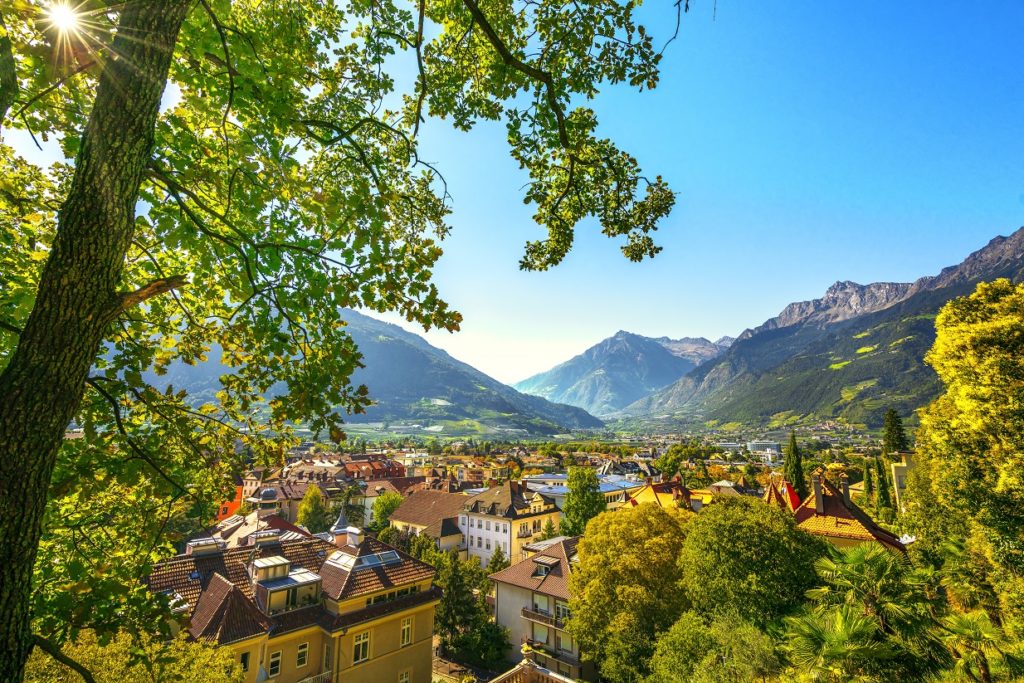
(137, 659)
(746, 558)
(583, 502)
(314, 513)
(968, 483)
(463, 620)
(625, 587)
(383, 506)
(726, 650)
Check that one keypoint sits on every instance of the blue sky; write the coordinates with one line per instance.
(809, 142)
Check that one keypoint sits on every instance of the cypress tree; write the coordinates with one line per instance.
(894, 437)
(869, 485)
(793, 467)
(884, 499)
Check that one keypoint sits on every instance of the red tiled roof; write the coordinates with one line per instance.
(840, 519)
(424, 508)
(187, 574)
(526, 574)
(224, 615)
(340, 584)
(218, 589)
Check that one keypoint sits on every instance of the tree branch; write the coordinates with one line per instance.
(4, 325)
(49, 89)
(522, 67)
(154, 288)
(55, 652)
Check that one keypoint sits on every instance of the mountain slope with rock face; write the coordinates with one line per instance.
(621, 369)
(852, 354)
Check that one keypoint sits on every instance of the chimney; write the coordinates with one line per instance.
(819, 501)
(846, 490)
(353, 536)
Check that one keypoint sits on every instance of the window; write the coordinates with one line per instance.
(328, 664)
(275, 664)
(302, 656)
(406, 632)
(488, 544)
(404, 677)
(488, 526)
(244, 660)
(479, 541)
(504, 546)
(462, 520)
(361, 647)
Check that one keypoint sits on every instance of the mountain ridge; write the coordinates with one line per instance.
(619, 370)
(850, 353)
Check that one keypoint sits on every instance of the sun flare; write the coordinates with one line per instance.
(63, 17)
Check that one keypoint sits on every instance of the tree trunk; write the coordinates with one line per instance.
(77, 300)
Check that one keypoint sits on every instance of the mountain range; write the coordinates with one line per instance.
(851, 354)
(622, 369)
(413, 382)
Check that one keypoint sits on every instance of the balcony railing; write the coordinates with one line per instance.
(529, 533)
(554, 653)
(325, 677)
(543, 617)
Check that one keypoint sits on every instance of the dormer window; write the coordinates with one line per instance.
(544, 565)
(279, 587)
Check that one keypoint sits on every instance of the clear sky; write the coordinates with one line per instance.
(809, 142)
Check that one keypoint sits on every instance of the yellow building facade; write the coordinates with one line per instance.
(310, 611)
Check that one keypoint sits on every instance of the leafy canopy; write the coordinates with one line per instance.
(583, 501)
(625, 586)
(284, 185)
(744, 557)
(314, 513)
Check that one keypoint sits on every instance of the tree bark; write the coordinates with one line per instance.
(77, 299)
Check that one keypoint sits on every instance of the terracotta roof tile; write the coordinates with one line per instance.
(423, 508)
(526, 574)
(224, 615)
(340, 584)
(841, 520)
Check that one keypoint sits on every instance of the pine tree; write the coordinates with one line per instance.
(457, 610)
(548, 531)
(894, 437)
(583, 502)
(498, 562)
(793, 467)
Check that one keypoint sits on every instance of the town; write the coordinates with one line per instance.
(400, 564)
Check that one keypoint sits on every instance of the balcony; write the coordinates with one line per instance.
(325, 677)
(546, 650)
(527, 534)
(542, 617)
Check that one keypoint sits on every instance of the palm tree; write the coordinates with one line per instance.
(974, 641)
(836, 644)
(878, 580)
(881, 585)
